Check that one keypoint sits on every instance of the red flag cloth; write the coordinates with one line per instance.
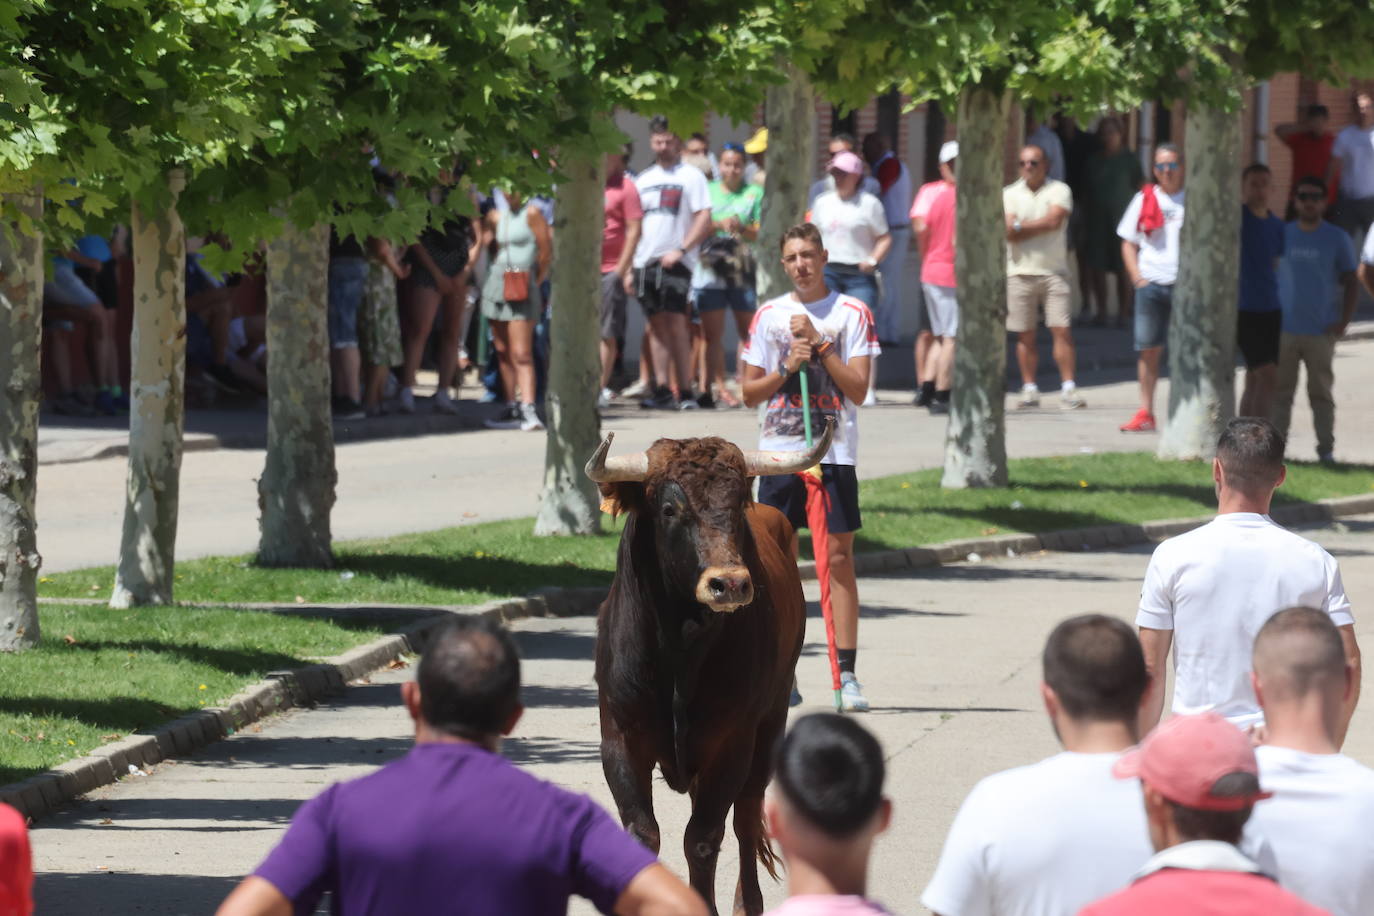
(1151, 217)
(817, 505)
(16, 864)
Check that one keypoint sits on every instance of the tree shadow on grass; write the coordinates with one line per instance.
(498, 575)
(241, 661)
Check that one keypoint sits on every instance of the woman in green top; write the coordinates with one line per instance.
(520, 244)
(1113, 177)
(725, 274)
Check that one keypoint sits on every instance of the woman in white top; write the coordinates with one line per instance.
(854, 231)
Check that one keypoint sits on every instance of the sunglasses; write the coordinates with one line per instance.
(1310, 195)
(1029, 163)
(732, 148)
(1166, 166)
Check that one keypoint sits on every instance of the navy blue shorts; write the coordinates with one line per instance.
(787, 494)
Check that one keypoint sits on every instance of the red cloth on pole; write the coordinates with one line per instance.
(817, 504)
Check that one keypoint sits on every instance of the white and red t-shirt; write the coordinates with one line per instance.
(847, 323)
(622, 206)
(935, 206)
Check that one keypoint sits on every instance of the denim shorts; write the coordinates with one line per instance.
(1153, 302)
(347, 286)
(848, 279)
(739, 299)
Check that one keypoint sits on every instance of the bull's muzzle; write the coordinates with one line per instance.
(725, 588)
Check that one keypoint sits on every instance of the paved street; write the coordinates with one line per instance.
(950, 657)
(389, 486)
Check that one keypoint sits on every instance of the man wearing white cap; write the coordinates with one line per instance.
(854, 231)
(932, 221)
(1200, 782)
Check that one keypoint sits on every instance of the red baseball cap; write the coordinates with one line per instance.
(1183, 759)
(845, 161)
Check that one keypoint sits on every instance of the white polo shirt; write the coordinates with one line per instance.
(1316, 828)
(1215, 586)
(1042, 840)
(1354, 147)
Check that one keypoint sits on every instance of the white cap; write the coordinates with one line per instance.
(949, 151)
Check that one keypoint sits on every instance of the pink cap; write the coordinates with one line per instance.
(846, 161)
(1183, 759)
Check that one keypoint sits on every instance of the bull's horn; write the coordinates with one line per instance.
(622, 467)
(764, 463)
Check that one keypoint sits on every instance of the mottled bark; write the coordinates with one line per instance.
(147, 549)
(790, 113)
(570, 503)
(975, 443)
(21, 328)
(296, 492)
(1202, 329)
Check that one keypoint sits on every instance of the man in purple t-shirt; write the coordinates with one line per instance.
(453, 827)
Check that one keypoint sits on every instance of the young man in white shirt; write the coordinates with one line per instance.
(1353, 153)
(1036, 208)
(1207, 592)
(1045, 839)
(677, 217)
(1316, 828)
(829, 336)
(1149, 232)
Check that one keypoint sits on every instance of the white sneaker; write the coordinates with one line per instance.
(529, 418)
(1071, 400)
(443, 403)
(637, 390)
(603, 400)
(852, 693)
(406, 401)
(1030, 397)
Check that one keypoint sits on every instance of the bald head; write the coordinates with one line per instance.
(1299, 652)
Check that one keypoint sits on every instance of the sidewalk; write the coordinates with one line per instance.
(949, 657)
(389, 486)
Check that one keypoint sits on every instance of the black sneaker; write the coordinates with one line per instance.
(348, 409)
(705, 401)
(924, 396)
(938, 408)
(223, 378)
(661, 399)
(510, 417)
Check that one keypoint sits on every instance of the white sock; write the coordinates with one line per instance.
(1030, 386)
(1068, 386)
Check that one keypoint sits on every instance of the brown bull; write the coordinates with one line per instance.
(697, 642)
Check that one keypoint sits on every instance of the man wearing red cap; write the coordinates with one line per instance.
(1200, 781)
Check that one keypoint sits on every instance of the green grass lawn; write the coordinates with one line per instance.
(100, 674)
(475, 563)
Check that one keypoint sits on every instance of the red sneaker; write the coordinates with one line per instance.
(1142, 422)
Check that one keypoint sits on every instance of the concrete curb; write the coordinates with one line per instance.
(1104, 537)
(280, 690)
(43, 793)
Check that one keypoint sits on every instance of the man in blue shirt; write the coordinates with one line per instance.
(1318, 266)
(1259, 317)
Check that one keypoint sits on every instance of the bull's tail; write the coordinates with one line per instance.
(768, 856)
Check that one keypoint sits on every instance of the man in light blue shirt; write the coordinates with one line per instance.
(1317, 290)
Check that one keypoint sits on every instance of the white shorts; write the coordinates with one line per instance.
(942, 309)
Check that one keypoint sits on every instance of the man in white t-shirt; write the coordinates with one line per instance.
(1046, 839)
(1314, 834)
(1353, 153)
(677, 217)
(829, 336)
(1149, 232)
(1208, 592)
(1036, 208)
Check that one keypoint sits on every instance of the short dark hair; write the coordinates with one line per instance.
(807, 231)
(469, 678)
(1251, 453)
(1095, 666)
(698, 135)
(1252, 168)
(1226, 826)
(1299, 649)
(1312, 181)
(830, 770)
(845, 137)
(1317, 111)
(658, 124)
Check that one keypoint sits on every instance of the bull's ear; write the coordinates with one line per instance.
(621, 497)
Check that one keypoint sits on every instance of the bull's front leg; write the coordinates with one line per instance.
(629, 769)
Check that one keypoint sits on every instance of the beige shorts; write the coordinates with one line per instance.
(1026, 294)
